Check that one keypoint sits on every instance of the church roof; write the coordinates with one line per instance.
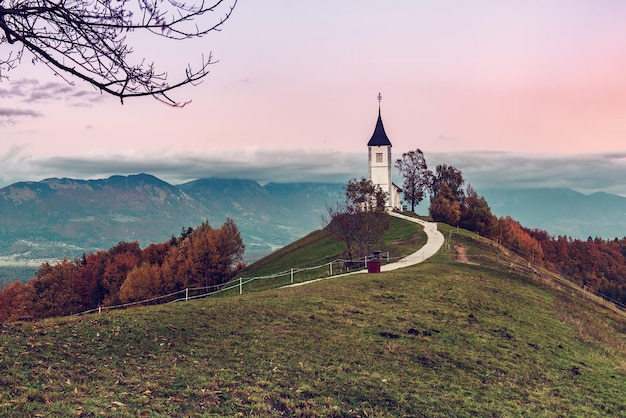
(379, 137)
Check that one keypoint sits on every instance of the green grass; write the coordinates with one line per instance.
(438, 339)
(319, 248)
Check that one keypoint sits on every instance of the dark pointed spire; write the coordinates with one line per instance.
(379, 137)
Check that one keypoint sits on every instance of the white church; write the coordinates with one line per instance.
(380, 164)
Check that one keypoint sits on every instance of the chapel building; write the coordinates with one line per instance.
(380, 164)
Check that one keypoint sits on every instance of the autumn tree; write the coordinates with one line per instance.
(54, 294)
(445, 207)
(204, 256)
(92, 40)
(143, 282)
(519, 239)
(417, 177)
(156, 253)
(360, 220)
(372, 227)
(16, 301)
(88, 279)
(125, 273)
(476, 214)
(214, 253)
(358, 230)
(364, 195)
(179, 264)
(230, 250)
(452, 177)
(120, 261)
(343, 225)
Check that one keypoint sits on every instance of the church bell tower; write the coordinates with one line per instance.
(379, 158)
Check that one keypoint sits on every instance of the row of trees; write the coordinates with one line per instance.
(456, 205)
(199, 257)
(445, 186)
(597, 264)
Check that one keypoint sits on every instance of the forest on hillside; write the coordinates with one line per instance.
(595, 263)
(200, 257)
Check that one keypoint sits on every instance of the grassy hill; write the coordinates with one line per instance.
(487, 337)
(319, 248)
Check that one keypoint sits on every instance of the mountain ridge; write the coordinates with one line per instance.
(58, 217)
(562, 211)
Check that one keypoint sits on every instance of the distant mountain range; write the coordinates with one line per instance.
(66, 217)
(57, 217)
(562, 211)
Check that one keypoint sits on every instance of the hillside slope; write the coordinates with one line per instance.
(268, 216)
(443, 338)
(57, 217)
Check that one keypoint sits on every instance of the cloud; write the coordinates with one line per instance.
(8, 112)
(447, 138)
(33, 91)
(586, 173)
(9, 116)
(262, 165)
(52, 90)
(17, 88)
(13, 154)
(36, 95)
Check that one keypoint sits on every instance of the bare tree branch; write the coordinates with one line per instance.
(88, 40)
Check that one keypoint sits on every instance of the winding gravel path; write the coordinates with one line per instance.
(434, 242)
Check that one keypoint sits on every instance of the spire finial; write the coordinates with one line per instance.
(380, 97)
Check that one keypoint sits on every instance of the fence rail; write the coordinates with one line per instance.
(326, 270)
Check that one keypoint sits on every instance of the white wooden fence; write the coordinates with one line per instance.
(326, 270)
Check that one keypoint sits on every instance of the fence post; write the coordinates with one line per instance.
(292, 275)
(365, 261)
(186, 294)
(331, 268)
(241, 285)
(99, 309)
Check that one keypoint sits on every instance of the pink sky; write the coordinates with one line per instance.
(297, 81)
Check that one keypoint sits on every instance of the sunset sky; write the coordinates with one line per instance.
(514, 93)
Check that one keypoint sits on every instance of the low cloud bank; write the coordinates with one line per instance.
(281, 166)
(586, 173)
